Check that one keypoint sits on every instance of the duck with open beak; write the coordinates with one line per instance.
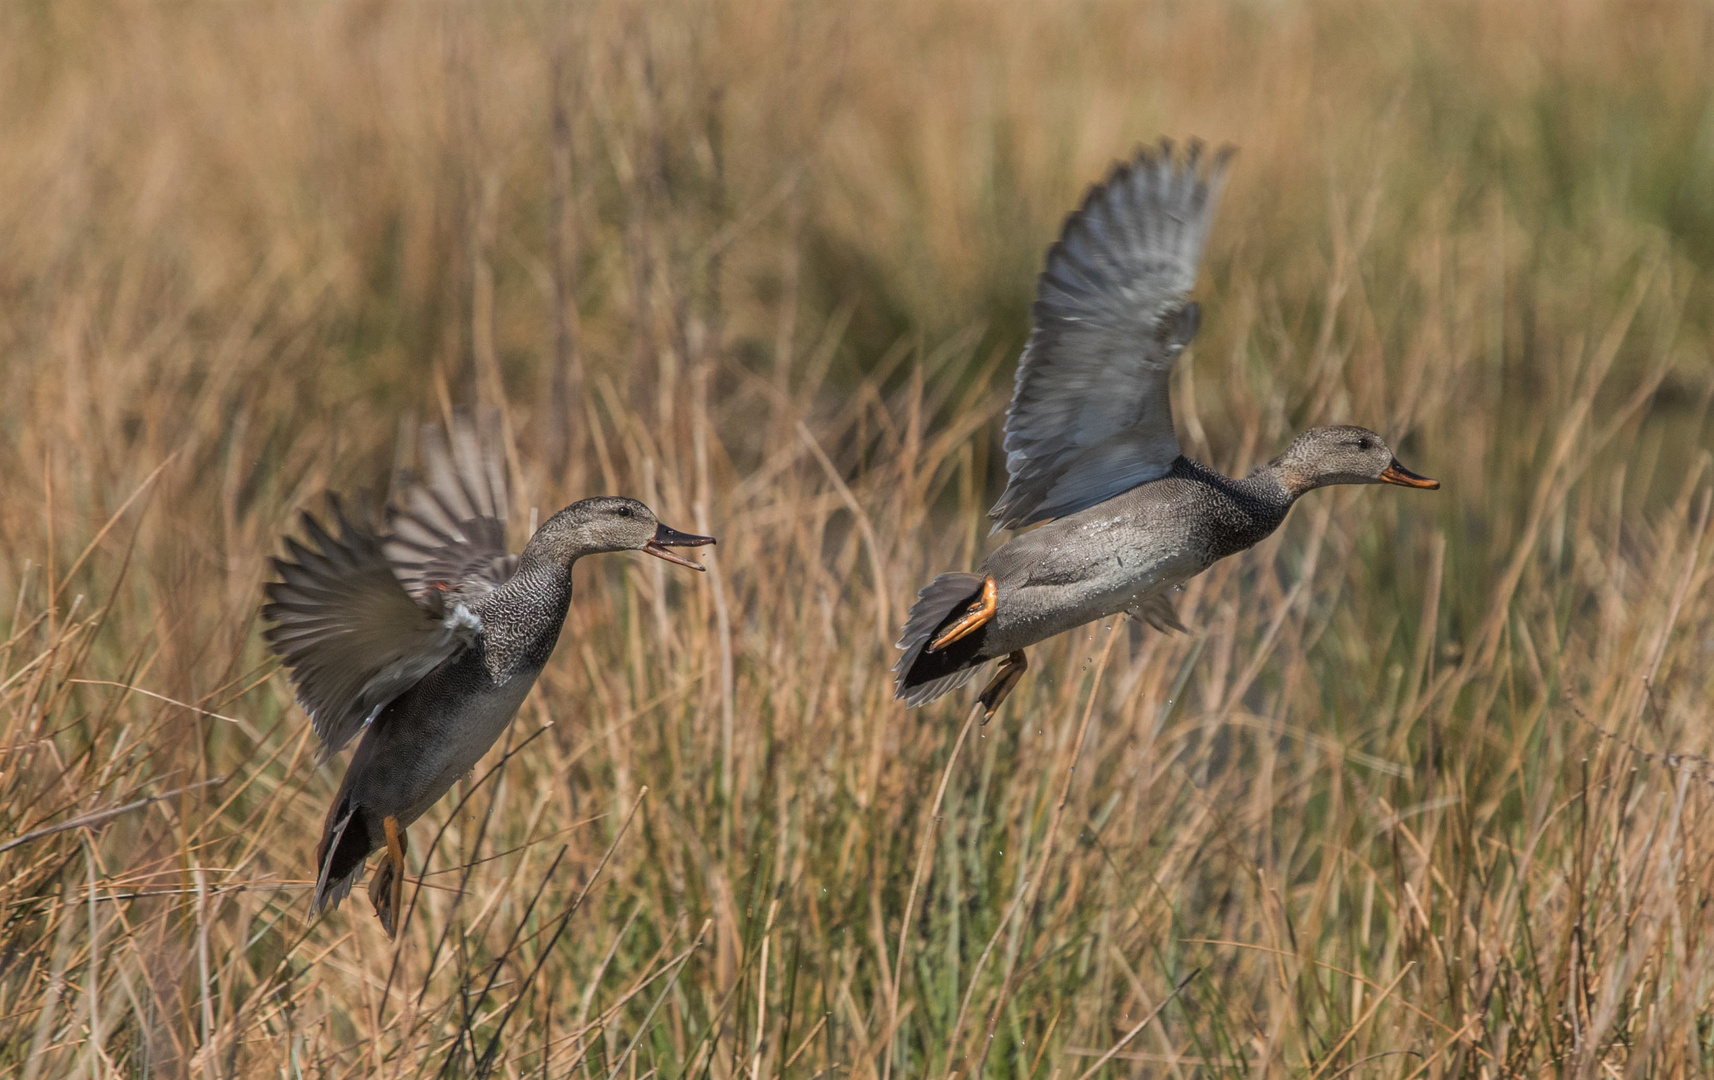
(666, 538)
(421, 639)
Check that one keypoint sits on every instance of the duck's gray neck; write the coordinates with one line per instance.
(521, 619)
(1266, 486)
(1250, 509)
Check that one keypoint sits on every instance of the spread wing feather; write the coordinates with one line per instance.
(448, 539)
(1091, 414)
(360, 616)
(351, 637)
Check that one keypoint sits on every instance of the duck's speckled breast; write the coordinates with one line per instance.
(435, 732)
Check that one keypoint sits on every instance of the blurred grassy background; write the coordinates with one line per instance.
(1420, 794)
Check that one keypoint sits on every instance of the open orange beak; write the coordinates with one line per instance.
(666, 538)
(1398, 474)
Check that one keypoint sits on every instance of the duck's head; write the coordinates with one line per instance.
(610, 523)
(1342, 454)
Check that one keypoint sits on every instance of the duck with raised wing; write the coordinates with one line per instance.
(1090, 445)
(425, 638)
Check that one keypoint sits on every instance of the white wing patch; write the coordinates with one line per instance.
(459, 617)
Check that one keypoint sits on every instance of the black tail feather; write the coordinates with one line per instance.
(922, 675)
(346, 843)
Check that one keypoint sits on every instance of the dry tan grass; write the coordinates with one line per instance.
(1424, 793)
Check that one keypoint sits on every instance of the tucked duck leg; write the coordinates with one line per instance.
(1006, 677)
(980, 614)
(387, 887)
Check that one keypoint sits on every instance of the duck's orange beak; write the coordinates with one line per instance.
(665, 538)
(1398, 474)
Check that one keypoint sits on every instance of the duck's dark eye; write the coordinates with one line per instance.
(624, 511)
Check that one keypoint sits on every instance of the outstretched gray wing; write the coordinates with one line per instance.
(351, 637)
(447, 542)
(1091, 415)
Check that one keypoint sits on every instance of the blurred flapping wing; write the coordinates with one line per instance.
(1091, 415)
(351, 637)
(447, 542)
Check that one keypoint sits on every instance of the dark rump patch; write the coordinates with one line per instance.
(924, 675)
(336, 871)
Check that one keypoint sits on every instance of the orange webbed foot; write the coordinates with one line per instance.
(387, 885)
(981, 613)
